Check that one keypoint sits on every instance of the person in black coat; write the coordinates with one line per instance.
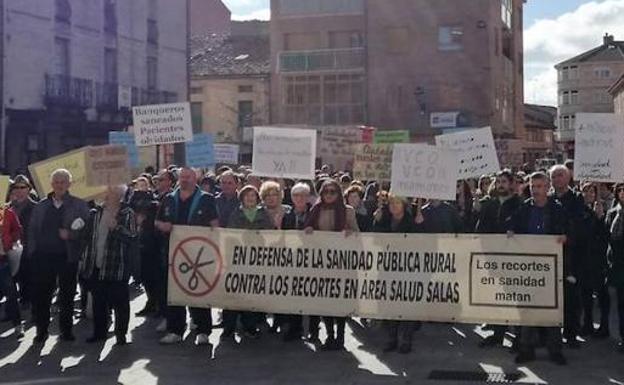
(494, 217)
(593, 265)
(615, 255)
(540, 215)
(353, 196)
(397, 218)
(295, 219)
(574, 208)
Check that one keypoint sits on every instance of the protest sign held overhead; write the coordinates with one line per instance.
(75, 163)
(599, 148)
(424, 171)
(427, 277)
(372, 162)
(200, 151)
(284, 152)
(476, 152)
(337, 144)
(226, 153)
(162, 124)
(107, 165)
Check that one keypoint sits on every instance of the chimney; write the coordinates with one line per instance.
(608, 39)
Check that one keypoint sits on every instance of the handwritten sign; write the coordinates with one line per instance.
(107, 165)
(337, 145)
(75, 163)
(476, 152)
(386, 137)
(162, 124)
(200, 151)
(424, 171)
(226, 153)
(599, 148)
(372, 162)
(284, 152)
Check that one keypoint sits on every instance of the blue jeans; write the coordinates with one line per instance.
(8, 288)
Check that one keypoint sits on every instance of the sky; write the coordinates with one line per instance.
(554, 30)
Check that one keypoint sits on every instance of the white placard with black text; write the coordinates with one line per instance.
(284, 152)
(476, 151)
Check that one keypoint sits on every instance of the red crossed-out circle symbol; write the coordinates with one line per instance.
(196, 266)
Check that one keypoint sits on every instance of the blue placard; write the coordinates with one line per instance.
(200, 152)
(126, 139)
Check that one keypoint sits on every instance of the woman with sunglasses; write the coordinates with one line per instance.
(331, 213)
(615, 255)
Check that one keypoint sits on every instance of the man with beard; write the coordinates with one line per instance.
(497, 209)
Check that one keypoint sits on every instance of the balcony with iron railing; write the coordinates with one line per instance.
(344, 59)
(62, 90)
(72, 92)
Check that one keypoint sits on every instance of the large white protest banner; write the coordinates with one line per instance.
(427, 277)
(284, 152)
(476, 152)
(599, 147)
(423, 171)
(162, 124)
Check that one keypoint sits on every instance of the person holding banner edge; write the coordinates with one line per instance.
(330, 213)
(187, 205)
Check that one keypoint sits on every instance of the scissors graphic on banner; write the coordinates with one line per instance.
(185, 268)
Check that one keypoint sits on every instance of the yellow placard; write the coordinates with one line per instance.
(75, 163)
(4, 188)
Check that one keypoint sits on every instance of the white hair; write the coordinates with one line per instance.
(558, 168)
(300, 188)
(61, 173)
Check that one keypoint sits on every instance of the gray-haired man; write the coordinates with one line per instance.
(54, 246)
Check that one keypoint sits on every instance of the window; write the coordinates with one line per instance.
(110, 65)
(152, 73)
(319, 7)
(245, 89)
(61, 57)
(152, 31)
(574, 97)
(602, 73)
(397, 39)
(197, 90)
(63, 11)
(564, 74)
(565, 98)
(110, 17)
(345, 39)
(507, 12)
(245, 113)
(196, 117)
(573, 72)
(450, 38)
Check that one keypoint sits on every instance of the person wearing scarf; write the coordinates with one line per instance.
(331, 213)
(615, 255)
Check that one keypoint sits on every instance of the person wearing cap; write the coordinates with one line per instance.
(22, 204)
(55, 235)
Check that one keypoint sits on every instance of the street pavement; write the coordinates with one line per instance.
(440, 350)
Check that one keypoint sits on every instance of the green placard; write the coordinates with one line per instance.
(390, 137)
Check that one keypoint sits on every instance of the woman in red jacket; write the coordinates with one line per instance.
(11, 232)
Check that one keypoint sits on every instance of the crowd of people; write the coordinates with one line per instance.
(124, 237)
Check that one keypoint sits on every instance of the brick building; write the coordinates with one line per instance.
(617, 92)
(208, 17)
(583, 86)
(423, 65)
(73, 68)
